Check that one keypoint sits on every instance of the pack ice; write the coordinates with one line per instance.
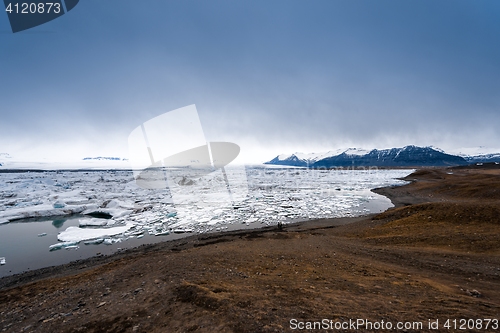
(114, 208)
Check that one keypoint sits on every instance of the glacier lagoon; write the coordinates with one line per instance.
(54, 217)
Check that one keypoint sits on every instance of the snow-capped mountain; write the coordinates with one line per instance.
(406, 156)
(301, 159)
(14, 162)
(99, 158)
(483, 158)
(479, 154)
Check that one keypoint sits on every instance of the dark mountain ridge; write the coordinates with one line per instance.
(411, 156)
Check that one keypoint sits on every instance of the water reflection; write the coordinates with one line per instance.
(58, 223)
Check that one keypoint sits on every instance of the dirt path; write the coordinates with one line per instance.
(399, 266)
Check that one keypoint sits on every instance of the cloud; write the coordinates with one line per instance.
(281, 75)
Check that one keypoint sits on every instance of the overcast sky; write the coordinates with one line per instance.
(271, 76)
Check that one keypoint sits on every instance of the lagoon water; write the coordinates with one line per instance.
(25, 250)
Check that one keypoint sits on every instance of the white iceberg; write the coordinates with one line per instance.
(59, 246)
(76, 234)
(114, 208)
(94, 241)
(97, 222)
(43, 210)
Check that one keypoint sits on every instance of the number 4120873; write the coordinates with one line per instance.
(34, 8)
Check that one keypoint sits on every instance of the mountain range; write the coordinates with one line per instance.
(9, 162)
(100, 158)
(411, 156)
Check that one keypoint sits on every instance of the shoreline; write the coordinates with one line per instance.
(398, 196)
(189, 241)
(45, 263)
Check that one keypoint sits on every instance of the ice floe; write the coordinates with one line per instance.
(76, 234)
(97, 222)
(62, 245)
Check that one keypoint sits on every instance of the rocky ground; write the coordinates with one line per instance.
(436, 256)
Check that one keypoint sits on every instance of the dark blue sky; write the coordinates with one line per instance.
(271, 76)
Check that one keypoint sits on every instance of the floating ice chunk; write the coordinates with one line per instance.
(173, 214)
(213, 222)
(181, 231)
(136, 233)
(93, 222)
(111, 212)
(2, 261)
(94, 241)
(76, 234)
(111, 241)
(59, 204)
(115, 203)
(55, 247)
(42, 234)
(140, 236)
(39, 211)
(72, 247)
(59, 246)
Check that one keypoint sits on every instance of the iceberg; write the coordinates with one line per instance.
(111, 212)
(181, 231)
(59, 246)
(114, 209)
(94, 241)
(94, 222)
(42, 210)
(76, 234)
(160, 233)
(111, 241)
(59, 204)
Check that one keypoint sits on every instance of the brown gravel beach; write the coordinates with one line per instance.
(436, 256)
